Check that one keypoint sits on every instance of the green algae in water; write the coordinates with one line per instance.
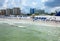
(28, 33)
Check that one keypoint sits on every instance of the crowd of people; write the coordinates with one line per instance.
(34, 18)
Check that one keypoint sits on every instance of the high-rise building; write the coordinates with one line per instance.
(16, 11)
(32, 10)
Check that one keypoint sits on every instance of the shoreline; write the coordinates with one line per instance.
(30, 21)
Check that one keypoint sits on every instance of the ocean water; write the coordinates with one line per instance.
(28, 32)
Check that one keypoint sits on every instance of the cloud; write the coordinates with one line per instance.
(44, 1)
(22, 3)
(55, 9)
(53, 3)
(33, 3)
(1, 2)
(5, 4)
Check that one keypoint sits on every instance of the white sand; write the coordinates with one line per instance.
(29, 21)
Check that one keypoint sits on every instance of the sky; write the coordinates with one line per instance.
(47, 5)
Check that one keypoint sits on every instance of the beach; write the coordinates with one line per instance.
(30, 21)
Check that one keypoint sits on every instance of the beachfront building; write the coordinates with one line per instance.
(2, 12)
(16, 11)
(9, 11)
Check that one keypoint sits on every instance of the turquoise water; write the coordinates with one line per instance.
(28, 32)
